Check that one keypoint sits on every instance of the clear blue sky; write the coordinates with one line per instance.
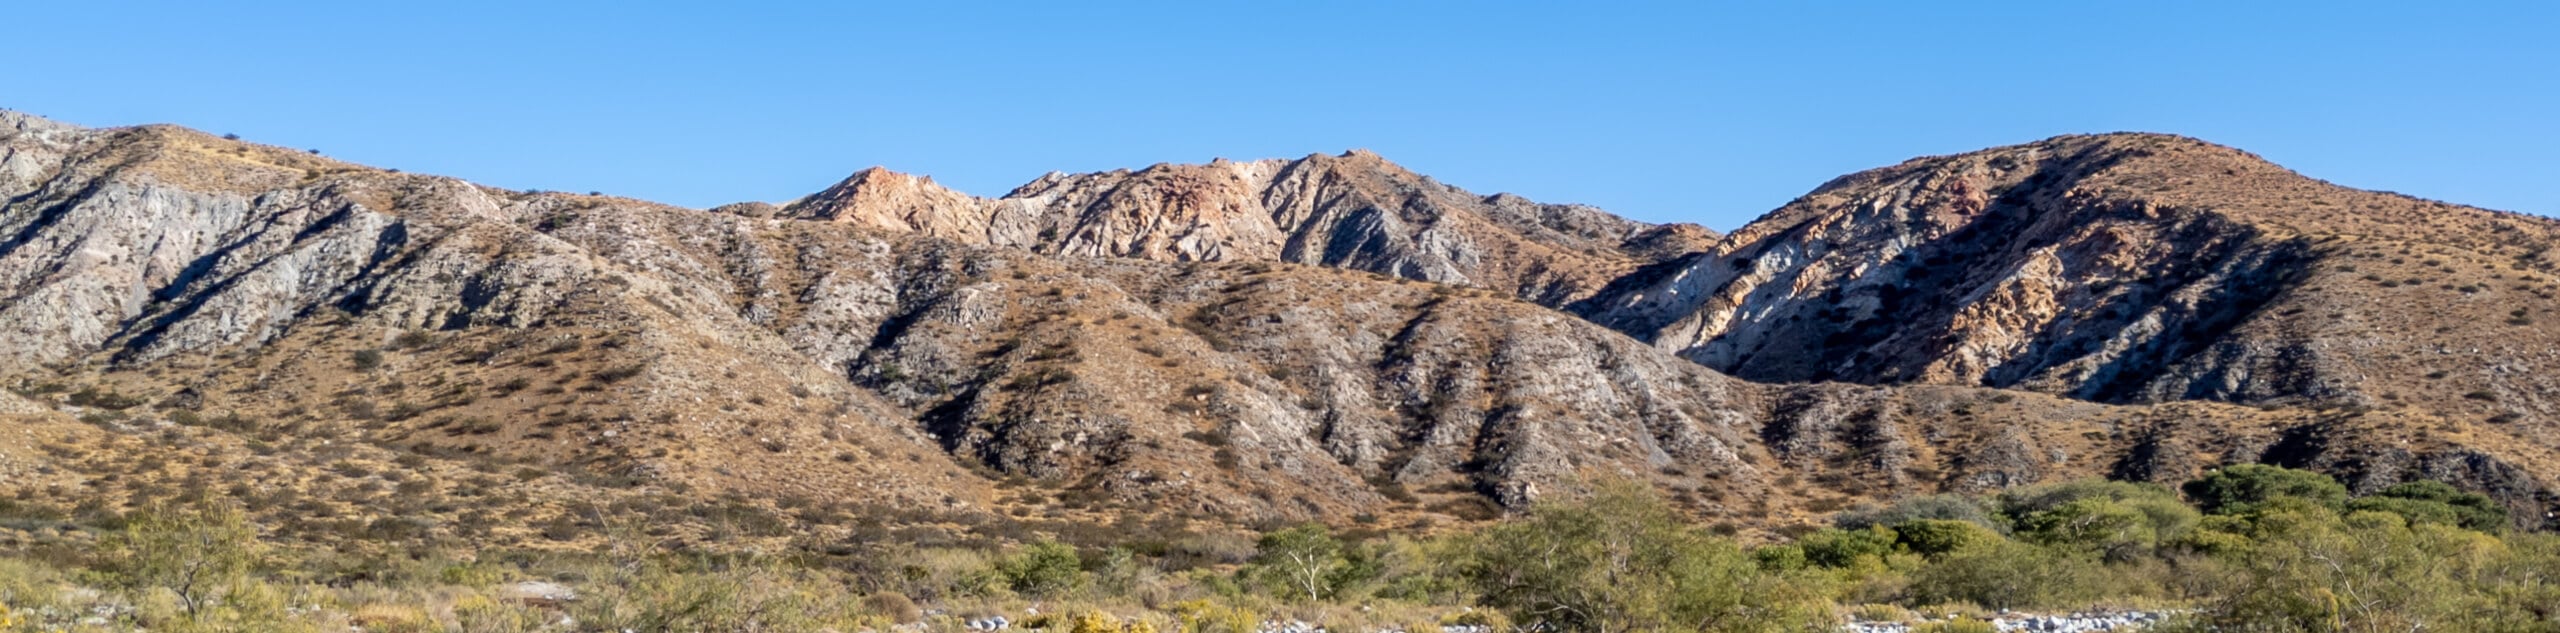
(1688, 111)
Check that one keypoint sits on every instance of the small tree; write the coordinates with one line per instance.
(196, 553)
(2239, 488)
(1305, 558)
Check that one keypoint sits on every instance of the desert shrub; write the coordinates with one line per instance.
(1957, 625)
(2429, 501)
(482, 614)
(619, 373)
(1207, 616)
(659, 593)
(383, 617)
(934, 573)
(2240, 488)
(192, 554)
(27, 584)
(2018, 503)
(1425, 571)
(2116, 527)
(1045, 568)
(1946, 507)
(1101, 622)
(108, 399)
(1838, 549)
(894, 606)
(2007, 574)
(2302, 567)
(413, 339)
(1785, 557)
(1624, 560)
(1938, 537)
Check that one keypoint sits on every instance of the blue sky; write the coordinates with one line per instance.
(1692, 111)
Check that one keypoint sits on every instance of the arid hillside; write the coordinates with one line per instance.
(1331, 338)
(2117, 268)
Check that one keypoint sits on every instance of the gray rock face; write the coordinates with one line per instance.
(1243, 390)
(1138, 376)
(12, 404)
(2118, 268)
(2127, 268)
(1991, 269)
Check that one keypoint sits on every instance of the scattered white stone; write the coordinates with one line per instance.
(538, 593)
(2086, 622)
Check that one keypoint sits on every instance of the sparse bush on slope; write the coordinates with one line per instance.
(2286, 551)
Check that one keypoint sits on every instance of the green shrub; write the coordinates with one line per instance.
(1043, 569)
(483, 614)
(1625, 561)
(2018, 503)
(2429, 501)
(194, 554)
(657, 593)
(1942, 507)
(1957, 625)
(2301, 567)
(2011, 575)
(2240, 488)
(103, 399)
(1937, 537)
(1780, 558)
(2117, 528)
(1840, 549)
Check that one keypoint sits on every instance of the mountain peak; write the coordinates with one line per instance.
(1352, 210)
(883, 199)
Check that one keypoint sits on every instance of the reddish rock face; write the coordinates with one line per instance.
(1354, 211)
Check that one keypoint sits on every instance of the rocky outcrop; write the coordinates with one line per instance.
(1354, 211)
(2116, 268)
(2129, 268)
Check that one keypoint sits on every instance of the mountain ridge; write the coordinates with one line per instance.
(819, 349)
(1352, 210)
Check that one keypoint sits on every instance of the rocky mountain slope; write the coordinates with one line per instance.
(1354, 211)
(1088, 346)
(2129, 268)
